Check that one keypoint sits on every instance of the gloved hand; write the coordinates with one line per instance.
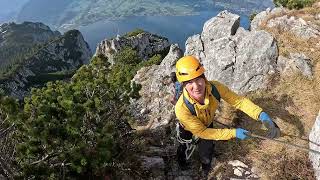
(241, 133)
(273, 129)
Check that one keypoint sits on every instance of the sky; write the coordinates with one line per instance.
(10, 8)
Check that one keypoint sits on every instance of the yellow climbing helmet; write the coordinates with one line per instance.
(187, 68)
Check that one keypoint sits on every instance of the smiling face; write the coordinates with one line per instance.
(196, 88)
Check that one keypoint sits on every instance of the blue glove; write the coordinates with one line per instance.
(273, 129)
(241, 133)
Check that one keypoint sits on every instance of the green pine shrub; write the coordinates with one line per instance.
(78, 129)
(294, 4)
(72, 130)
(134, 33)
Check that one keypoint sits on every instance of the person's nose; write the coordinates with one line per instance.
(196, 86)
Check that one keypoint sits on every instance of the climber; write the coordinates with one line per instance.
(195, 109)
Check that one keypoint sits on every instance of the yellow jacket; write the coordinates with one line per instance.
(197, 125)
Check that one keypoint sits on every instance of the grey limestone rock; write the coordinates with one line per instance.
(297, 26)
(314, 144)
(156, 91)
(262, 16)
(239, 58)
(296, 63)
(145, 43)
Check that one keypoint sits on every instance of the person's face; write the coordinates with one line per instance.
(196, 88)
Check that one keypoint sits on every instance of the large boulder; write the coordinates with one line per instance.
(314, 144)
(239, 58)
(224, 24)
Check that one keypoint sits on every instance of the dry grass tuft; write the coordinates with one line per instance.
(285, 164)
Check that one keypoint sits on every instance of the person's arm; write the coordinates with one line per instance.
(237, 101)
(248, 107)
(197, 128)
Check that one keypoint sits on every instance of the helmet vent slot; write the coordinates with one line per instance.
(183, 74)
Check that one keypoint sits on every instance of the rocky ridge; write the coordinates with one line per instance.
(35, 32)
(146, 44)
(286, 22)
(53, 60)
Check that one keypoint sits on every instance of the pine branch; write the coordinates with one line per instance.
(48, 156)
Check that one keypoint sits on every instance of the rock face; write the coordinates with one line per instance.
(241, 59)
(66, 53)
(154, 109)
(314, 144)
(145, 43)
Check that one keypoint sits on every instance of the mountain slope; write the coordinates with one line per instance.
(17, 40)
(32, 54)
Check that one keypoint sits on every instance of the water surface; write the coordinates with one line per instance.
(176, 28)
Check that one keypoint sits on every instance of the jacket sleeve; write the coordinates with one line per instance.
(197, 128)
(239, 102)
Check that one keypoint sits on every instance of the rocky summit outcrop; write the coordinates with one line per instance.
(146, 44)
(314, 144)
(49, 62)
(239, 58)
(281, 18)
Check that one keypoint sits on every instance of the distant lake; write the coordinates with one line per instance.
(176, 28)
